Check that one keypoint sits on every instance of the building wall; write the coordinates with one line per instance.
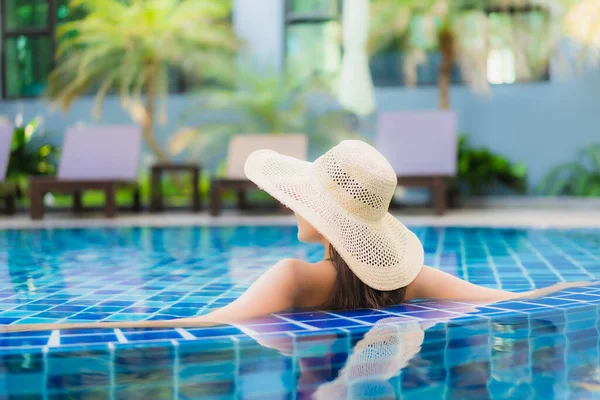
(540, 124)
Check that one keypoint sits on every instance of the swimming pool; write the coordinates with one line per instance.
(527, 349)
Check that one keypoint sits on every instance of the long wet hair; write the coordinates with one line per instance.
(350, 292)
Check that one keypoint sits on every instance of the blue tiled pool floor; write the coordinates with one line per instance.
(130, 274)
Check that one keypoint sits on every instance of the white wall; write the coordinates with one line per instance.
(260, 24)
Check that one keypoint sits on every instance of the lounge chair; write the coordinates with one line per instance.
(93, 158)
(8, 191)
(422, 148)
(240, 147)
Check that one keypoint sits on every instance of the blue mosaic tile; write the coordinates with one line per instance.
(213, 332)
(83, 339)
(309, 316)
(87, 316)
(150, 335)
(273, 328)
(434, 314)
(580, 297)
(517, 305)
(334, 323)
(355, 313)
(372, 319)
(69, 308)
(23, 341)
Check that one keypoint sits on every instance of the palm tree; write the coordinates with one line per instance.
(132, 45)
(459, 30)
(582, 23)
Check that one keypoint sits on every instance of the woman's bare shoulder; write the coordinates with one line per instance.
(307, 271)
(315, 281)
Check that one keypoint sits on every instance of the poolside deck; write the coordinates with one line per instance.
(544, 216)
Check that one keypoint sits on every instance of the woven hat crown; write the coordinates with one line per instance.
(358, 178)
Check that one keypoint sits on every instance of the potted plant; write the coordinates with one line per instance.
(579, 178)
(480, 170)
(30, 154)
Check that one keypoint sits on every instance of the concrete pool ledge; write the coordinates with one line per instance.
(543, 216)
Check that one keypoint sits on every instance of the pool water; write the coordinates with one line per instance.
(544, 348)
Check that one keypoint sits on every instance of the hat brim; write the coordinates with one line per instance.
(384, 254)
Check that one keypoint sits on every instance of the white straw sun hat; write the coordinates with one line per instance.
(345, 195)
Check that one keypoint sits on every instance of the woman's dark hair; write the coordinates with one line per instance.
(350, 292)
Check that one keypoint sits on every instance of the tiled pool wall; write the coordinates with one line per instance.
(552, 353)
(550, 344)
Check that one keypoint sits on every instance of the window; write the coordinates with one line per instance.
(506, 62)
(527, 61)
(28, 44)
(312, 36)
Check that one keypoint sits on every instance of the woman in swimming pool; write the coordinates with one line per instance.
(371, 259)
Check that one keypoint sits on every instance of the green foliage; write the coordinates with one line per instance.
(30, 154)
(130, 44)
(480, 169)
(263, 103)
(580, 178)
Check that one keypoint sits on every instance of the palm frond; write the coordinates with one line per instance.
(566, 179)
(116, 41)
(104, 88)
(592, 152)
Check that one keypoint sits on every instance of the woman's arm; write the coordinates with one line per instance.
(432, 283)
(435, 284)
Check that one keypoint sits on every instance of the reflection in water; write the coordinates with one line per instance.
(376, 358)
(552, 355)
(29, 265)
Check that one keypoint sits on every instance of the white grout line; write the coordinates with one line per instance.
(111, 371)
(568, 257)
(185, 334)
(544, 259)
(589, 253)
(54, 340)
(348, 318)
(518, 262)
(236, 365)
(295, 363)
(45, 376)
(175, 369)
(299, 323)
(490, 259)
(120, 337)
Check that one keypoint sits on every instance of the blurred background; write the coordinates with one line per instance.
(519, 77)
